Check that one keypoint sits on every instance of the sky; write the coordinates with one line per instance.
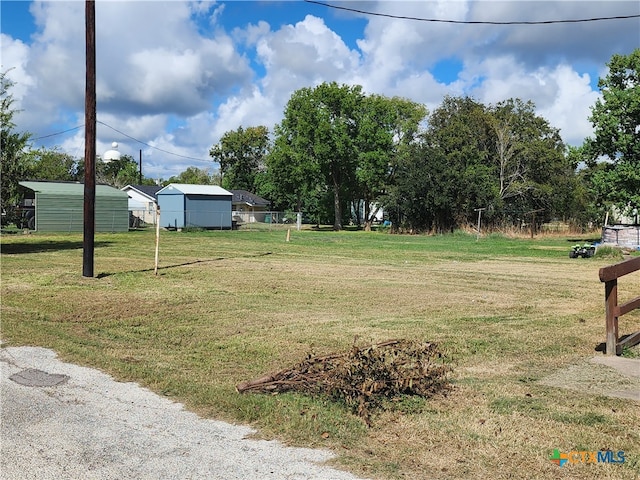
(173, 77)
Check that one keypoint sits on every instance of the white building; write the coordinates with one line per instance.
(142, 202)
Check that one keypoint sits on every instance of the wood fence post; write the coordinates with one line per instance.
(155, 270)
(611, 307)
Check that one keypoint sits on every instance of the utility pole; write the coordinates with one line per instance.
(88, 242)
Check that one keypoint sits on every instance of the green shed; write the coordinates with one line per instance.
(59, 207)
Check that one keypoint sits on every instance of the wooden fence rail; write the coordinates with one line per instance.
(609, 275)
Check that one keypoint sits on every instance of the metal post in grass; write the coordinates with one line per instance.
(479, 210)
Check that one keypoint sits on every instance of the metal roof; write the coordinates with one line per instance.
(189, 189)
(148, 190)
(71, 188)
(243, 196)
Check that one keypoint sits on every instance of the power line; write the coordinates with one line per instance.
(126, 135)
(472, 22)
(59, 133)
(151, 146)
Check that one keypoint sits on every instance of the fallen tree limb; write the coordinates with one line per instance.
(362, 377)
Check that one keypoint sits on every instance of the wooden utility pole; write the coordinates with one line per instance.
(89, 141)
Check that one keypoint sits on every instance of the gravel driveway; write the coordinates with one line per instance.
(62, 421)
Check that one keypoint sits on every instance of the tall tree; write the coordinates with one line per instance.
(241, 155)
(318, 134)
(14, 166)
(529, 157)
(420, 197)
(292, 182)
(119, 173)
(385, 128)
(459, 132)
(616, 121)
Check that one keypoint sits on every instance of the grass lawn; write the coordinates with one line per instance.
(230, 306)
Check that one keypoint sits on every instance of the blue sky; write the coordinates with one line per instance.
(174, 76)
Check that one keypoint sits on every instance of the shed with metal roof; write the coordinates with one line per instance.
(59, 207)
(201, 206)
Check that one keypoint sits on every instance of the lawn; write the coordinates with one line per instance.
(231, 306)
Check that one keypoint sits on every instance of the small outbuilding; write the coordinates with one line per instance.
(626, 236)
(143, 201)
(59, 207)
(625, 232)
(200, 206)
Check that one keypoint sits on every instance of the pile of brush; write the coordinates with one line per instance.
(363, 377)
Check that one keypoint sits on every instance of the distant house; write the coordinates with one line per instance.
(185, 205)
(59, 207)
(142, 202)
(249, 208)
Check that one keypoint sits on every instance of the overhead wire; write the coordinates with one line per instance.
(472, 22)
(129, 137)
(151, 146)
(59, 133)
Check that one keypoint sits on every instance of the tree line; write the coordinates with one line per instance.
(342, 156)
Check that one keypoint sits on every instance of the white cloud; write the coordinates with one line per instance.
(304, 54)
(561, 95)
(14, 63)
(173, 76)
(253, 33)
(571, 106)
(251, 110)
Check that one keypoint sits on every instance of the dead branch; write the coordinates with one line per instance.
(362, 377)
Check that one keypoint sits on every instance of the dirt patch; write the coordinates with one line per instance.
(609, 376)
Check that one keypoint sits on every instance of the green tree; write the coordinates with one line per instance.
(576, 198)
(318, 135)
(616, 121)
(459, 132)
(529, 159)
(241, 155)
(48, 164)
(503, 158)
(418, 199)
(14, 165)
(191, 175)
(123, 172)
(385, 129)
(292, 182)
(117, 173)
